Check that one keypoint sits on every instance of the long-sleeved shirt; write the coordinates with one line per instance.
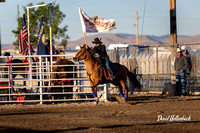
(101, 50)
(181, 63)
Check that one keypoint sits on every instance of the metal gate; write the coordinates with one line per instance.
(31, 82)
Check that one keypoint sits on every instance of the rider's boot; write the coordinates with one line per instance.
(112, 77)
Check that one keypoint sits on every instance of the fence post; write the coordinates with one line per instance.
(117, 55)
(105, 92)
(127, 51)
(40, 64)
(157, 62)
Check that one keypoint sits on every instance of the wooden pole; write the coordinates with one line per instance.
(173, 35)
(173, 29)
(137, 39)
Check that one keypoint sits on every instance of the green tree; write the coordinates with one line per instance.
(35, 18)
(64, 43)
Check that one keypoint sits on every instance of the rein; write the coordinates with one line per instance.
(96, 69)
(89, 74)
(82, 54)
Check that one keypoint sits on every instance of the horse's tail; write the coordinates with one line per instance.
(134, 80)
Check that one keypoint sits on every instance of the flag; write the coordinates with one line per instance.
(42, 48)
(23, 41)
(96, 23)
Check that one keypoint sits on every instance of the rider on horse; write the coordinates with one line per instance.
(100, 49)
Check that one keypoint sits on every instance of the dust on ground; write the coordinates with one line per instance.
(142, 113)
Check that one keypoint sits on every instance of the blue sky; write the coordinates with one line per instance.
(155, 21)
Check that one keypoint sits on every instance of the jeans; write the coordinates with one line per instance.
(180, 83)
(108, 64)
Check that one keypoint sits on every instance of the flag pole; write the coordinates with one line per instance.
(30, 75)
(85, 39)
(82, 25)
(50, 34)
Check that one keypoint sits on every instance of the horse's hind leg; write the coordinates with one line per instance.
(123, 84)
(94, 90)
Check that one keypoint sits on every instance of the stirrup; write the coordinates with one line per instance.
(112, 77)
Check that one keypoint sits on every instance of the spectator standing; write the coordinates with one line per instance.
(180, 66)
(31, 47)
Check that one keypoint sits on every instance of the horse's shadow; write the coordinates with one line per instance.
(145, 99)
(133, 100)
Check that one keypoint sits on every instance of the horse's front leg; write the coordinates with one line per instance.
(94, 90)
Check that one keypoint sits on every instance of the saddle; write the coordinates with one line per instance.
(101, 62)
(106, 73)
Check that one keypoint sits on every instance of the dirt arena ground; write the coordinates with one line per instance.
(150, 113)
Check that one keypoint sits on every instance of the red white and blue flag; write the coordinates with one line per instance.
(96, 23)
(23, 41)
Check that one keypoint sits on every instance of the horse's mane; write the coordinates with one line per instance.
(97, 60)
(89, 49)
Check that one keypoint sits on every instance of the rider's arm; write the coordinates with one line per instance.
(102, 49)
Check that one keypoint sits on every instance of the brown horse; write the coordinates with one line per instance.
(19, 66)
(98, 74)
(63, 71)
(61, 66)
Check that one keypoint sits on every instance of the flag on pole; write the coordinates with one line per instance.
(96, 23)
(23, 41)
(42, 48)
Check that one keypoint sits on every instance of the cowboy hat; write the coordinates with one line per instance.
(97, 41)
(179, 50)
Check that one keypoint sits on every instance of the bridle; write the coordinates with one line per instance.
(96, 69)
(81, 55)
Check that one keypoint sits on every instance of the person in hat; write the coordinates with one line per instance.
(180, 66)
(48, 47)
(100, 49)
(31, 47)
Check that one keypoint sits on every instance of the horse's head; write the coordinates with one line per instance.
(81, 54)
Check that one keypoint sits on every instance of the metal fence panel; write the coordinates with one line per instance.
(32, 82)
(154, 66)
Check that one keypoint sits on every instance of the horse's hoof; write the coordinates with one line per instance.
(126, 98)
(121, 100)
(96, 100)
(121, 95)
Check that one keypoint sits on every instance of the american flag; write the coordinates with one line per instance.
(23, 41)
